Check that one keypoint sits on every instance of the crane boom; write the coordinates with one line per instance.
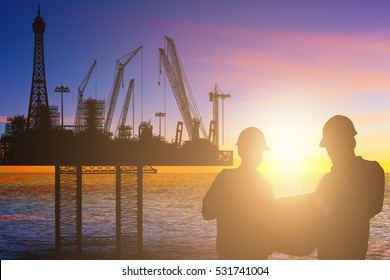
(178, 92)
(125, 108)
(214, 97)
(118, 81)
(81, 89)
(179, 83)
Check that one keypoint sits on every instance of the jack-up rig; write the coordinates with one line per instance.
(89, 147)
(90, 140)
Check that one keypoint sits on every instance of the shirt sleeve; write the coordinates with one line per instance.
(211, 202)
(320, 198)
(377, 190)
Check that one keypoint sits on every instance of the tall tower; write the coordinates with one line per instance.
(38, 110)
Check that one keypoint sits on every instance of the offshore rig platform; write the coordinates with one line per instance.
(90, 147)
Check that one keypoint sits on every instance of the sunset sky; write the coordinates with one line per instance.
(289, 65)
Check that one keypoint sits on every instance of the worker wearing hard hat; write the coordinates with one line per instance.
(240, 200)
(347, 197)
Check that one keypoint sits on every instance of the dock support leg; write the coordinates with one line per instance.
(79, 219)
(140, 211)
(118, 211)
(57, 212)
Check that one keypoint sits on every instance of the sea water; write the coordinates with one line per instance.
(173, 227)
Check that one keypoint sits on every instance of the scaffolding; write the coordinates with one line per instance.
(124, 131)
(54, 117)
(145, 130)
(15, 126)
(92, 114)
(9, 127)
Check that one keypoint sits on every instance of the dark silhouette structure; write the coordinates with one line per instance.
(347, 197)
(240, 199)
(293, 225)
(38, 110)
(90, 148)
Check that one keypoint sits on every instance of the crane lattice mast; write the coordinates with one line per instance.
(113, 97)
(81, 89)
(214, 97)
(123, 131)
(179, 83)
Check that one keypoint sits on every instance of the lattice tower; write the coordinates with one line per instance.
(38, 110)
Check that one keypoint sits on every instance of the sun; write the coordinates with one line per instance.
(293, 144)
(289, 155)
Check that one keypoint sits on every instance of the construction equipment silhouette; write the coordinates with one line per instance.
(89, 147)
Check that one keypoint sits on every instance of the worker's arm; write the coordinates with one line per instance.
(377, 190)
(211, 203)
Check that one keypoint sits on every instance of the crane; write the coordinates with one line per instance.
(214, 125)
(179, 83)
(118, 81)
(81, 89)
(124, 131)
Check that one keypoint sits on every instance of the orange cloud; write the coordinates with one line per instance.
(3, 119)
(375, 117)
(337, 64)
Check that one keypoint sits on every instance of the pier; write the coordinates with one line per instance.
(118, 171)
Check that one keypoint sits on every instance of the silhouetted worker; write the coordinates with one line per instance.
(239, 199)
(347, 197)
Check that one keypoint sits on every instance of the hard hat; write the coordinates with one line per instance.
(252, 136)
(337, 127)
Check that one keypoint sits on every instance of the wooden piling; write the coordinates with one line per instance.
(118, 211)
(140, 211)
(79, 217)
(57, 212)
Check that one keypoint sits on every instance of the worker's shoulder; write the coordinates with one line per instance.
(371, 165)
(327, 179)
(235, 174)
(227, 173)
(263, 180)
